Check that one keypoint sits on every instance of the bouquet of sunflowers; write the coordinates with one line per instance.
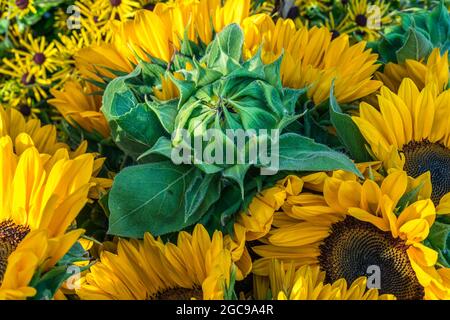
(224, 149)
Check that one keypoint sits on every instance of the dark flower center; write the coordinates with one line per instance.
(149, 6)
(425, 156)
(39, 58)
(115, 3)
(293, 13)
(361, 20)
(335, 34)
(27, 80)
(180, 294)
(22, 4)
(25, 110)
(354, 248)
(11, 235)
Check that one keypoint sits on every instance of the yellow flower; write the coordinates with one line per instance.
(42, 55)
(30, 132)
(41, 196)
(435, 70)
(36, 252)
(352, 226)
(167, 90)
(25, 134)
(81, 106)
(366, 18)
(311, 58)
(25, 75)
(411, 132)
(198, 266)
(21, 8)
(308, 283)
(97, 59)
(115, 9)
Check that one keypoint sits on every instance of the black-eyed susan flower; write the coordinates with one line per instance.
(198, 266)
(351, 226)
(115, 9)
(311, 58)
(24, 74)
(41, 54)
(41, 196)
(365, 18)
(308, 283)
(21, 8)
(410, 132)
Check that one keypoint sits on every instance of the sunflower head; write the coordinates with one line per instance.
(410, 132)
(357, 228)
(198, 266)
(308, 283)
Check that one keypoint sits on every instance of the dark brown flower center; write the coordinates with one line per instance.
(11, 235)
(25, 110)
(115, 3)
(355, 248)
(27, 80)
(179, 294)
(361, 20)
(22, 4)
(426, 156)
(39, 58)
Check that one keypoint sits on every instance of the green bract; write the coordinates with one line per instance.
(416, 37)
(218, 92)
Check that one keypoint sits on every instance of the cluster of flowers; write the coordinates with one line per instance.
(94, 95)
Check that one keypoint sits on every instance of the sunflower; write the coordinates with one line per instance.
(308, 283)
(96, 61)
(352, 226)
(311, 58)
(44, 138)
(198, 266)
(26, 254)
(81, 106)
(26, 133)
(41, 196)
(434, 70)
(410, 132)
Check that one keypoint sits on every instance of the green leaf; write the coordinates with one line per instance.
(408, 198)
(439, 240)
(75, 254)
(438, 22)
(298, 153)
(202, 193)
(416, 47)
(150, 198)
(237, 174)
(129, 119)
(162, 147)
(347, 131)
(166, 111)
(229, 42)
